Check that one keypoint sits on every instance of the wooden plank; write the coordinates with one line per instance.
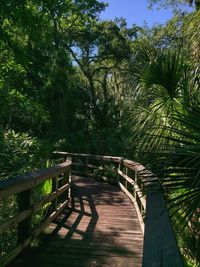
(26, 208)
(136, 187)
(71, 260)
(141, 221)
(51, 197)
(21, 183)
(126, 177)
(10, 256)
(94, 230)
(12, 222)
(55, 189)
(50, 218)
(160, 246)
(25, 225)
(15, 220)
(87, 165)
(133, 165)
(90, 156)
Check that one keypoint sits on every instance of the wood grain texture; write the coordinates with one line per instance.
(99, 229)
(160, 246)
(21, 183)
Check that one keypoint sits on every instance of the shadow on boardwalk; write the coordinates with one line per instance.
(100, 229)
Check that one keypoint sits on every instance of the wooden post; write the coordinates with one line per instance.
(103, 169)
(126, 183)
(66, 181)
(85, 168)
(24, 227)
(54, 188)
(119, 168)
(131, 174)
(136, 183)
(68, 177)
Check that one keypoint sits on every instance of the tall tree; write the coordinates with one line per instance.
(100, 48)
(174, 3)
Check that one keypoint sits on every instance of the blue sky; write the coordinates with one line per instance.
(136, 11)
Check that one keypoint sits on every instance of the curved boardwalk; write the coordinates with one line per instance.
(100, 229)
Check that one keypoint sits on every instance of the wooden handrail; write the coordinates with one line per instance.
(90, 156)
(160, 246)
(22, 187)
(20, 183)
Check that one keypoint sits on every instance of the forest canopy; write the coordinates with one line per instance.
(71, 81)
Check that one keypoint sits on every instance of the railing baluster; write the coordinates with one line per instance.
(66, 181)
(22, 187)
(135, 179)
(86, 168)
(126, 183)
(159, 234)
(103, 168)
(54, 188)
(24, 227)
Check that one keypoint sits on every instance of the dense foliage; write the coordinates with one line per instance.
(166, 122)
(70, 81)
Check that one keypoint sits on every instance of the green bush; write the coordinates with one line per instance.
(20, 153)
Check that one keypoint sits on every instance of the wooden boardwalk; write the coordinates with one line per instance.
(100, 229)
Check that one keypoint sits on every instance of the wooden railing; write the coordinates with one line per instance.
(22, 188)
(160, 246)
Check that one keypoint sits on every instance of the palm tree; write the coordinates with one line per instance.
(170, 132)
(168, 127)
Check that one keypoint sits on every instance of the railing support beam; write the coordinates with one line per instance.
(24, 227)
